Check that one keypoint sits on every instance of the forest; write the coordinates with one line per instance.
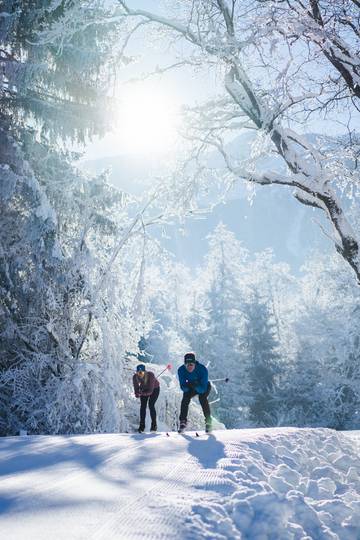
(87, 290)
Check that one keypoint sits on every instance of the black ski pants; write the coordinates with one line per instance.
(151, 400)
(203, 398)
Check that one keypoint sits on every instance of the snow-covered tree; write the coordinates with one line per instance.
(71, 307)
(262, 360)
(331, 28)
(167, 288)
(271, 81)
(215, 320)
(321, 385)
(55, 59)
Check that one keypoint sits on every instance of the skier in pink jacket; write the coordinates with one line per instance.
(147, 388)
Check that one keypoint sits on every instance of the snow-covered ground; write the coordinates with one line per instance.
(283, 483)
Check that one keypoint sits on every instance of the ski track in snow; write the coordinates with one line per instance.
(60, 485)
(260, 484)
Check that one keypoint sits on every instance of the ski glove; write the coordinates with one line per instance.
(192, 384)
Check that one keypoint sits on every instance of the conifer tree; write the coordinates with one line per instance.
(262, 359)
(55, 60)
(218, 339)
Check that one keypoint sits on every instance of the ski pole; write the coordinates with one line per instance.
(226, 379)
(169, 366)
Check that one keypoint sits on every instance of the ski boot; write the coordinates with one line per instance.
(208, 425)
(141, 429)
(182, 426)
(153, 427)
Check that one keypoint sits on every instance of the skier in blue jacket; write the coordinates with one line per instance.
(194, 381)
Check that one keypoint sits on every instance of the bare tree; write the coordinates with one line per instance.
(278, 71)
(331, 27)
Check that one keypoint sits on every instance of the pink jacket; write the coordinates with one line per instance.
(146, 385)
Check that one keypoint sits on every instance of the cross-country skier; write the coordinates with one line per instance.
(147, 388)
(193, 378)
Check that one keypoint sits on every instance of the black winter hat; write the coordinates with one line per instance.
(140, 367)
(189, 358)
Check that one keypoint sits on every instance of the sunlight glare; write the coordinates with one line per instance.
(147, 120)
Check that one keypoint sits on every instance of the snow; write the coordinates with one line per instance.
(258, 484)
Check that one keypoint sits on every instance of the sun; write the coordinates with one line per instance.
(147, 119)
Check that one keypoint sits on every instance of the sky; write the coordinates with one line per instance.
(148, 113)
(149, 109)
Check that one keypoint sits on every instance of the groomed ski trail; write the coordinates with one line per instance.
(255, 484)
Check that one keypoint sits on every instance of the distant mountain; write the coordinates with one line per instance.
(274, 219)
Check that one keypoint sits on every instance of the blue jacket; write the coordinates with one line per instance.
(199, 376)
